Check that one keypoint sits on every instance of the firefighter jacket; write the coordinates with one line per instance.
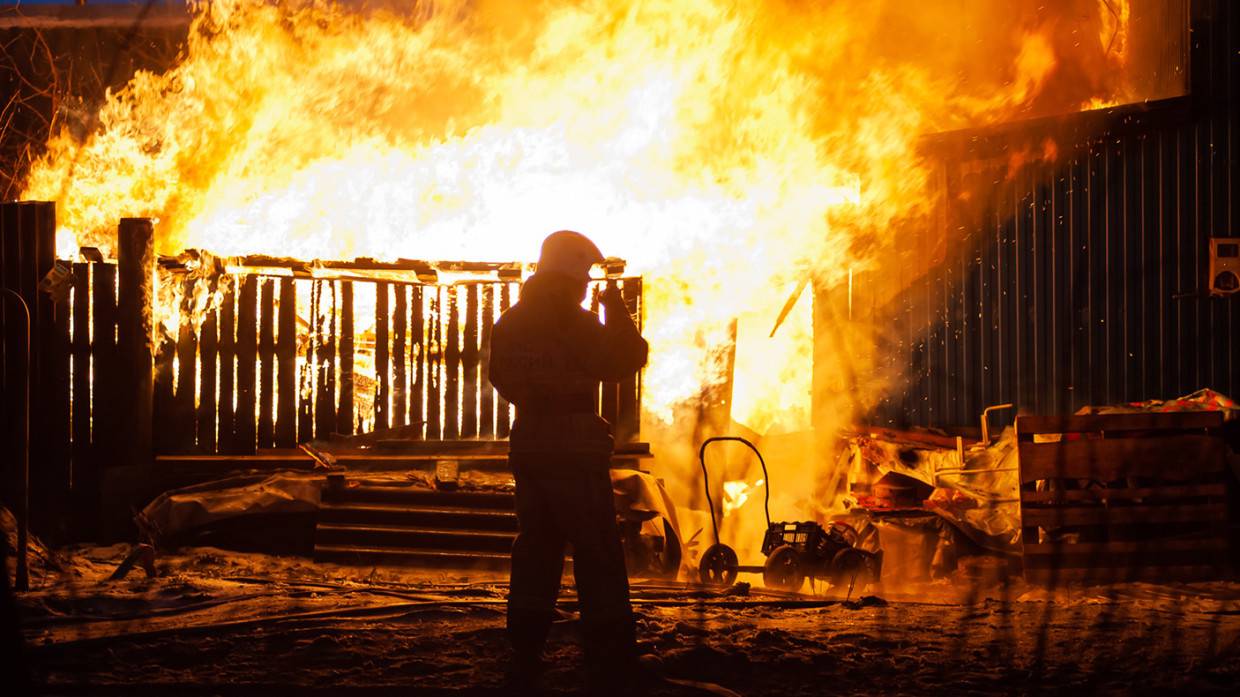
(548, 355)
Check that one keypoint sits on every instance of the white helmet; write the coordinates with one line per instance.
(569, 253)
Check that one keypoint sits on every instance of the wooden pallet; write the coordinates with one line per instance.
(1123, 497)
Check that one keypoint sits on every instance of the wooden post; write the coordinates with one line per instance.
(345, 412)
(381, 356)
(469, 365)
(486, 408)
(417, 350)
(452, 367)
(503, 415)
(106, 419)
(17, 383)
(228, 366)
(49, 417)
(434, 356)
(266, 367)
(187, 373)
(135, 295)
(246, 437)
(286, 379)
(85, 494)
(163, 400)
(628, 425)
(325, 398)
(400, 387)
(208, 348)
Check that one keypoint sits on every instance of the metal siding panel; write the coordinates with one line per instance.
(1150, 271)
(1096, 230)
(1078, 280)
(1061, 255)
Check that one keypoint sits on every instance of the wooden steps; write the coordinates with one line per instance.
(415, 526)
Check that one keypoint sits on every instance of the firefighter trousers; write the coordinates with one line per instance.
(568, 502)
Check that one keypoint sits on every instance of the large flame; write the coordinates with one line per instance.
(727, 150)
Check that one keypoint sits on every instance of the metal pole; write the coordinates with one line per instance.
(22, 580)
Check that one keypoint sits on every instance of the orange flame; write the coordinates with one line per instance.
(726, 150)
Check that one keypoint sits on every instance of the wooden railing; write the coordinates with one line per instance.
(246, 354)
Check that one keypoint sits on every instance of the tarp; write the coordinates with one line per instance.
(639, 496)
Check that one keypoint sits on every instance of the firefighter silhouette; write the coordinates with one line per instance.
(548, 355)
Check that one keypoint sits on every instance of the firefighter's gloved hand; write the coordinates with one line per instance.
(612, 299)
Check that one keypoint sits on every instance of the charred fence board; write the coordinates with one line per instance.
(469, 365)
(106, 419)
(400, 358)
(183, 430)
(452, 368)
(81, 373)
(134, 297)
(503, 415)
(344, 412)
(434, 367)
(245, 437)
(381, 357)
(417, 351)
(486, 407)
(325, 364)
(228, 364)
(164, 437)
(266, 358)
(208, 349)
(286, 376)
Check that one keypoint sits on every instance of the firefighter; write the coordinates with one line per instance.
(548, 355)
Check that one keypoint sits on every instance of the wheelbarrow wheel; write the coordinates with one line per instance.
(783, 569)
(718, 566)
(849, 568)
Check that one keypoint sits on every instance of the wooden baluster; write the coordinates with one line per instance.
(187, 373)
(345, 420)
(503, 414)
(452, 368)
(486, 408)
(267, 361)
(286, 375)
(400, 387)
(325, 402)
(417, 350)
(469, 365)
(434, 365)
(228, 366)
(382, 363)
(208, 350)
(247, 358)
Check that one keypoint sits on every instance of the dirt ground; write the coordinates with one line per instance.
(217, 622)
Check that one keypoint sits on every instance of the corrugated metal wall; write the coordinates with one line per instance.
(1081, 279)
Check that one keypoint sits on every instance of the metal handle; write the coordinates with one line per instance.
(766, 503)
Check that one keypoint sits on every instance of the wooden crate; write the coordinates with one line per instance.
(1123, 497)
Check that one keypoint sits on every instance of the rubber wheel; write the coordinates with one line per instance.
(849, 567)
(718, 566)
(783, 569)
